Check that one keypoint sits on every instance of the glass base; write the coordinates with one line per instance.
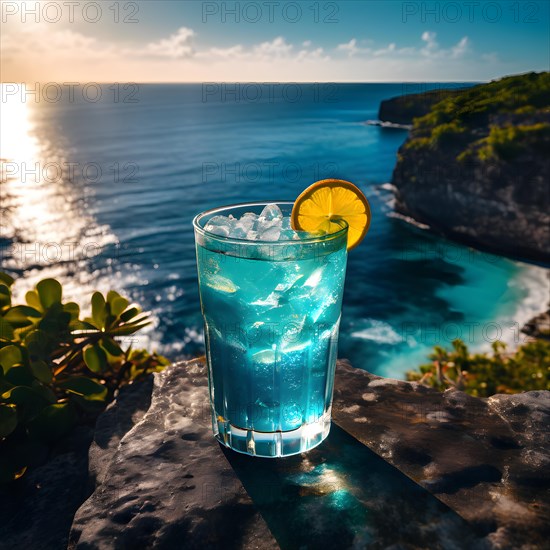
(273, 444)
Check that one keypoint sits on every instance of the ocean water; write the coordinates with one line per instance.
(99, 189)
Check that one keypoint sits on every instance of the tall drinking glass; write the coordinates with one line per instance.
(271, 315)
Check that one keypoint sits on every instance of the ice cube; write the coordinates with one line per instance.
(272, 301)
(286, 224)
(249, 215)
(265, 357)
(220, 220)
(268, 230)
(314, 279)
(243, 226)
(263, 223)
(220, 225)
(271, 212)
(222, 230)
(322, 306)
(291, 347)
(289, 281)
(289, 235)
(238, 233)
(221, 284)
(252, 235)
(271, 234)
(247, 222)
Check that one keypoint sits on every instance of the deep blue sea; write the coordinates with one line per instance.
(101, 194)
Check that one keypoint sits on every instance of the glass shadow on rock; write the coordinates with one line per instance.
(343, 495)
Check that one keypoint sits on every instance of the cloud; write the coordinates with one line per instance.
(176, 46)
(431, 44)
(385, 51)
(311, 55)
(63, 43)
(430, 49)
(276, 49)
(461, 48)
(49, 54)
(352, 49)
(227, 53)
(349, 47)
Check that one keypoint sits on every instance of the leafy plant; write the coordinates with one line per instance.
(483, 375)
(57, 370)
(514, 109)
(508, 142)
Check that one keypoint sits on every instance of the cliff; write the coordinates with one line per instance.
(475, 166)
(403, 109)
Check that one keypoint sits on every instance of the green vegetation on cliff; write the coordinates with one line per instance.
(509, 142)
(482, 375)
(512, 109)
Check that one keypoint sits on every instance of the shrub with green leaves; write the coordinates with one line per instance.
(58, 370)
(514, 109)
(508, 142)
(481, 374)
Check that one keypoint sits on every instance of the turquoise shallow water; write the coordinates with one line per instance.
(118, 184)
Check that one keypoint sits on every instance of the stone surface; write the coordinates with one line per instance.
(37, 511)
(487, 459)
(343, 495)
(168, 484)
(120, 416)
(339, 495)
(539, 326)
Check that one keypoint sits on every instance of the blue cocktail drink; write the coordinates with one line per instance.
(271, 300)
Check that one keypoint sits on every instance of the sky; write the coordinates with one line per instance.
(271, 41)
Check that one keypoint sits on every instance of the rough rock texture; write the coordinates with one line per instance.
(343, 495)
(539, 326)
(487, 459)
(168, 485)
(37, 512)
(339, 495)
(116, 421)
(476, 168)
(498, 206)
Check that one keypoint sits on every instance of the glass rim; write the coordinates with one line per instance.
(235, 240)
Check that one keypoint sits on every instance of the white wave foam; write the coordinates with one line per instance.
(385, 124)
(388, 187)
(408, 219)
(377, 331)
(535, 282)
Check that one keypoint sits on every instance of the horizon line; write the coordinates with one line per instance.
(260, 82)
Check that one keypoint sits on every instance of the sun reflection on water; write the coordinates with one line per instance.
(44, 231)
